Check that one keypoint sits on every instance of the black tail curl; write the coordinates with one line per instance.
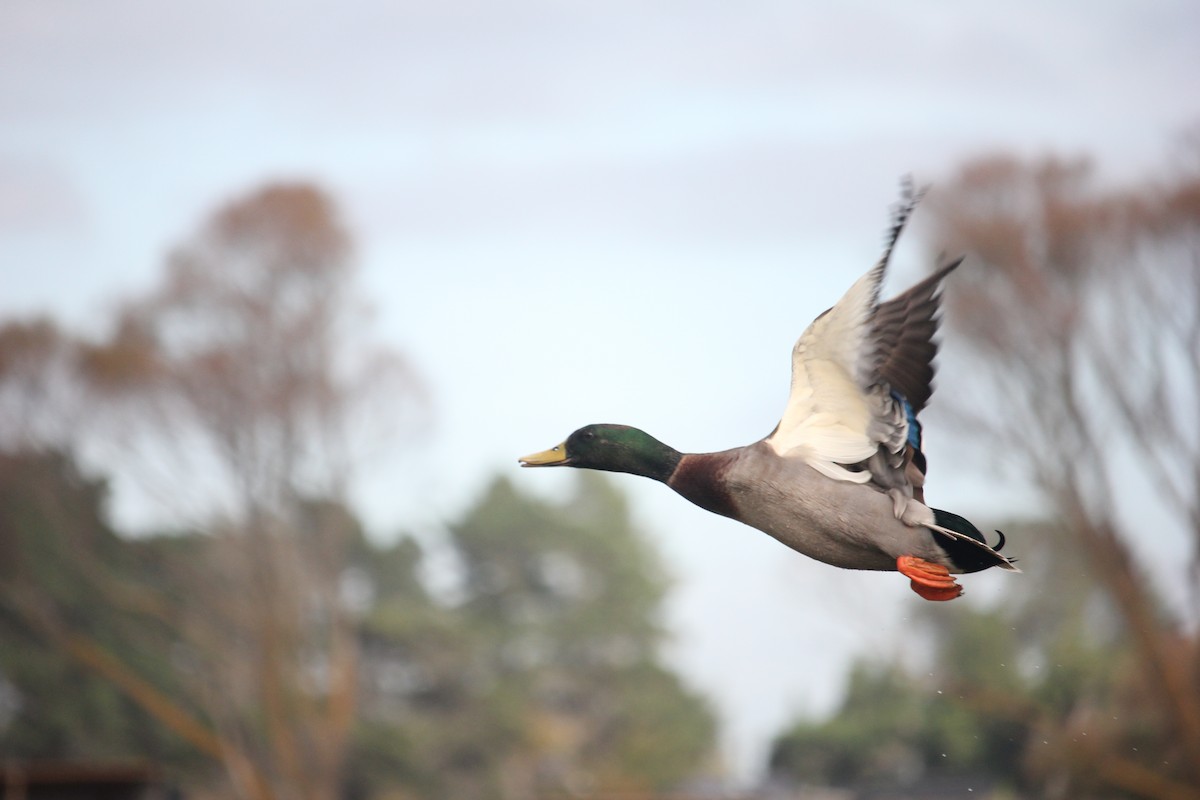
(966, 556)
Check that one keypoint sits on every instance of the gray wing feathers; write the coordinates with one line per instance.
(903, 331)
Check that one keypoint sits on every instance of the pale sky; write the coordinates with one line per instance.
(581, 212)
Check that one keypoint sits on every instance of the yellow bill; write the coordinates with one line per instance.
(553, 457)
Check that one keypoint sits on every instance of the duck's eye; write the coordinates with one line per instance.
(589, 435)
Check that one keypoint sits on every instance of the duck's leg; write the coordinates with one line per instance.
(909, 510)
(931, 581)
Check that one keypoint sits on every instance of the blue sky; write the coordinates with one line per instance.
(580, 212)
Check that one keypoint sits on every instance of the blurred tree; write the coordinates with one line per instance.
(59, 565)
(240, 379)
(1023, 697)
(1083, 322)
(542, 679)
(264, 633)
(544, 676)
(1082, 330)
(40, 400)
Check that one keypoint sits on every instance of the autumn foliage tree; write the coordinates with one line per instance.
(1076, 325)
(1081, 318)
(236, 393)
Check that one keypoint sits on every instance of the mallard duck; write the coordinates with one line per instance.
(841, 478)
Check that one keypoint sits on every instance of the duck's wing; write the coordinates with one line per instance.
(849, 366)
(903, 332)
(828, 417)
(903, 335)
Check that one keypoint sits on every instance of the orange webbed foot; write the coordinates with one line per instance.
(931, 581)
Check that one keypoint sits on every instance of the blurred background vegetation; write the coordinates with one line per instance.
(267, 647)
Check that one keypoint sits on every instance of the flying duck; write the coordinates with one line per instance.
(841, 478)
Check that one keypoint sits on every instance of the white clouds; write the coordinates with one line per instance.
(460, 62)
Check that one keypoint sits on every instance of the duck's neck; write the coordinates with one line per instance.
(646, 456)
(700, 477)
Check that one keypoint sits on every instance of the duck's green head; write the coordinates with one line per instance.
(613, 448)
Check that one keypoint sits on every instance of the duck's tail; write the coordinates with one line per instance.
(965, 545)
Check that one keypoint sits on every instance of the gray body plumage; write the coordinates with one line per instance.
(848, 525)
